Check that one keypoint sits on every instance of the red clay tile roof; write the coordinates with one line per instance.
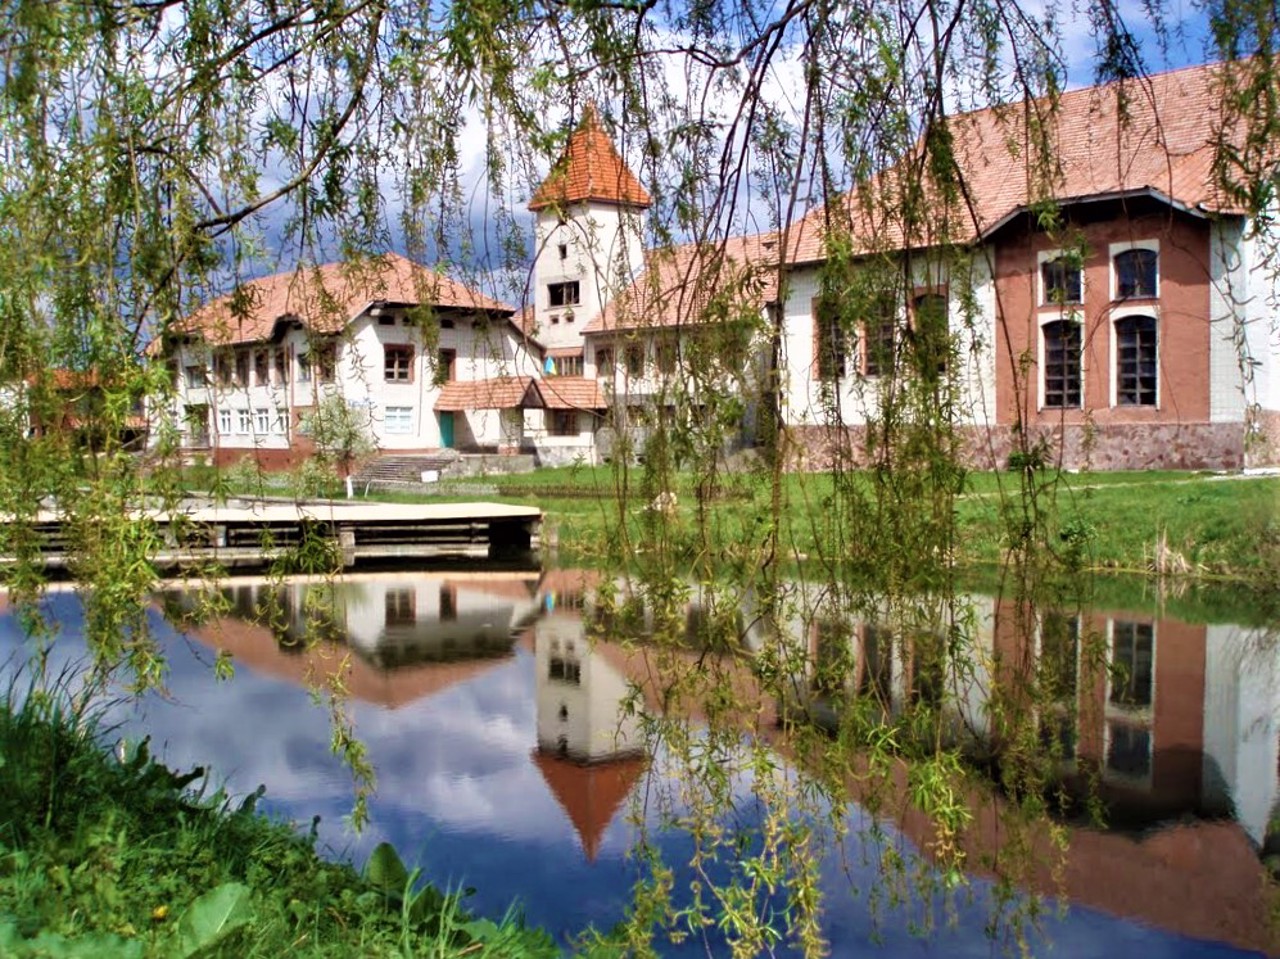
(570, 393)
(590, 793)
(1153, 135)
(678, 283)
(255, 646)
(499, 393)
(590, 169)
(328, 297)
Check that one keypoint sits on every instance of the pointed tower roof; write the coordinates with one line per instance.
(590, 169)
(590, 793)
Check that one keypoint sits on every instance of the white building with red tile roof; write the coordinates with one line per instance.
(426, 362)
(1097, 292)
(1090, 286)
(1105, 297)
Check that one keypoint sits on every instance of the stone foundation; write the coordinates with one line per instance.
(1263, 447)
(1173, 446)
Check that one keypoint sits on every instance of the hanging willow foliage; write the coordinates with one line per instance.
(155, 153)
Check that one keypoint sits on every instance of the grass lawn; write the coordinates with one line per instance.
(1202, 524)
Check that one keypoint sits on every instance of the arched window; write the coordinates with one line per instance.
(1061, 281)
(1061, 364)
(1136, 361)
(1136, 273)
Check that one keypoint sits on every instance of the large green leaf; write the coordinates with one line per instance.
(386, 871)
(211, 917)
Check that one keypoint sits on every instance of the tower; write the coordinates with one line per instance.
(588, 236)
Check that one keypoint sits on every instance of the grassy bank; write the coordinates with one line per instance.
(108, 857)
(1192, 524)
(1176, 523)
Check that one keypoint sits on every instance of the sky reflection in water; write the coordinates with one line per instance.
(463, 790)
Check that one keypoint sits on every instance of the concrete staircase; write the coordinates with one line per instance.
(402, 471)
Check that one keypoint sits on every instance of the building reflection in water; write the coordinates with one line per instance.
(590, 748)
(1164, 718)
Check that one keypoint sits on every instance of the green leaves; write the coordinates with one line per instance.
(213, 917)
(386, 871)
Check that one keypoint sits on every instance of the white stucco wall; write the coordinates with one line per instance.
(807, 401)
(604, 253)
(485, 348)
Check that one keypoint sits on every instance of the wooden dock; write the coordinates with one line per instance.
(253, 534)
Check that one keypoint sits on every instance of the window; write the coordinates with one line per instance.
(222, 368)
(448, 603)
(930, 333)
(879, 333)
(563, 294)
(262, 367)
(398, 420)
(1136, 361)
(563, 250)
(1136, 273)
(282, 367)
(224, 421)
(446, 363)
(635, 361)
(327, 362)
(400, 607)
(1061, 364)
(1061, 281)
(197, 421)
(564, 423)
(876, 676)
(1059, 655)
(569, 365)
(1132, 664)
(242, 368)
(397, 363)
(244, 422)
(196, 377)
(304, 367)
(1128, 750)
(604, 362)
(565, 670)
(262, 421)
(277, 424)
(830, 347)
(664, 357)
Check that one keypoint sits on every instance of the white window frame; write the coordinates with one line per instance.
(1143, 717)
(262, 420)
(1117, 248)
(1042, 295)
(244, 421)
(1056, 316)
(1120, 313)
(398, 420)
(224, 421)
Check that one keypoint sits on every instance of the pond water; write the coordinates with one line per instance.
(493, 725)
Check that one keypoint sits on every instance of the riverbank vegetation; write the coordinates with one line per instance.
(109, 854)
(1207, 526)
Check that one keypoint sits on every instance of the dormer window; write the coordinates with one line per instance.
(563, 294)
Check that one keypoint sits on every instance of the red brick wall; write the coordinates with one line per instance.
(1182, 309)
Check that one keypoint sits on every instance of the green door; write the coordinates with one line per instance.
(446, 430)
